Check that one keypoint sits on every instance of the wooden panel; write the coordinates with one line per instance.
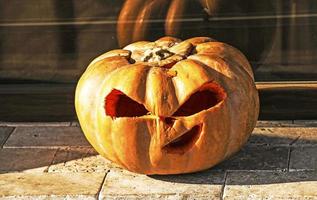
(297, 100)
(39, 102)
(55, 102)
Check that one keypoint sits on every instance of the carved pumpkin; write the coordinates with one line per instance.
(169, 106)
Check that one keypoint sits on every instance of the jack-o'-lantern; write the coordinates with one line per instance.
(169, 106)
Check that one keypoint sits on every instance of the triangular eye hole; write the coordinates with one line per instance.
(206, 97)
(117, 104)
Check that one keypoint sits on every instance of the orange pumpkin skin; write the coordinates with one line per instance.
(168, 107)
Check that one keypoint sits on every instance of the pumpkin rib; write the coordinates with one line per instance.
(227, 52)
(138, 71)
(214, 62)
(136, 45)
(167, 41)
(117, 153)
(229, 69)
(199, 40)
(157, 84)
(224, 136)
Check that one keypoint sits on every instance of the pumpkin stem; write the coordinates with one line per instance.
(156, 54)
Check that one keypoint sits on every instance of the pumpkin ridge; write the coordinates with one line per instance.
(227, 51)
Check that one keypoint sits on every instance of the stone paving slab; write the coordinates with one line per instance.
(4, 134)
(308, 137)
(270, 185)
(48, 197)
(12, 160)
(303, 158)
(283, 136)
(48, 137)
(50, 185)
(79, 160)
(257, 158)
(62, 152)
(126, 185)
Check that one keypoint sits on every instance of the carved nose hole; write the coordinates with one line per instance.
(168, 120)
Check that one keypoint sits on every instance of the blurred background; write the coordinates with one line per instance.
(45, 46)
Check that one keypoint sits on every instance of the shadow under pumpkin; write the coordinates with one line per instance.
(253, 158)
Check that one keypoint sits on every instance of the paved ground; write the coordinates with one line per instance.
(54, 161)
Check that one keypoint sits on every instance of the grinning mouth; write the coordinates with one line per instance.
(185, 142)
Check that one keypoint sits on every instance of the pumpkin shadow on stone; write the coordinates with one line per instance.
(263, 160)
(47, 149)
(48, 160)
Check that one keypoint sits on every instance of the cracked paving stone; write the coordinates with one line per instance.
(25, 159)
(121, 184)
(270, 185)
(283, 136)
(272, 136)
(50, 185)
(303, 158)
(257, 158)
(48, 137)
(4, 134)
(79, 160)
(308, 137)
